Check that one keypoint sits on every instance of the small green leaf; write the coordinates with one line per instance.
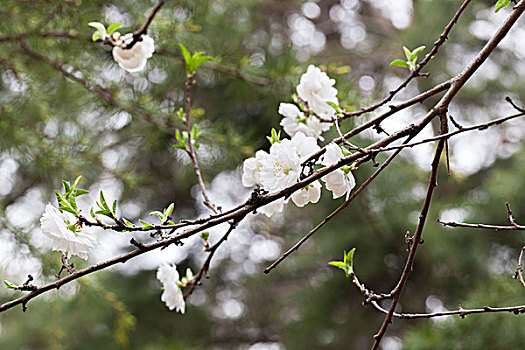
(146, 225)
(98, 26)
(337, 263)
(186, 54)
(399, 63)
(97, 36)
(275, 136)
(67, 186)
(103, 201)
(416, 53)
(9, 285)
(408, 53)
(169, 210)
(501, 4)
(115, 207)
(127, 222)
(334, 106)
(76, 182)
(113, 27)
(205, 235)
(92, 213)
(79, 192)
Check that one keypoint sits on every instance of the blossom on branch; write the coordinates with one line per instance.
(295, 121)
(308, 194)
(316, 89)
(133, 59)
(65, 233)
(172, 294)
(340, 181)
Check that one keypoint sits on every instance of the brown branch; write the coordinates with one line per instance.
(416, 72)
(206, 266)
(446, 136)
(461, 312)
(489, 227)
(512, 227)
(190, 150)
(416, 239)
(442, 106)
(137, 35)
(250, 206)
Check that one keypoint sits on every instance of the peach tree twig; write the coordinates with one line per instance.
(416, 72)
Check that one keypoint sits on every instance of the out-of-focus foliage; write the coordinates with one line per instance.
(67, 109)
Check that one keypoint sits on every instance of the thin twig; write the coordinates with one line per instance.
(461, 312)
(416, 72)
(519, 270)
(206, 266)
(190, 150)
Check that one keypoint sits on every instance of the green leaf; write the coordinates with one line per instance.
(158, 214)
(169, 210)
(96, 36)
(103, 201)
(127, 222)
(146, 225)
(408, 53)
(334, 106)
(92, 213)
(501, 4)
(76, 182)
(416, 53)
(205, 235)
(275, 136)
(98, 26)
(113, 27)
(115, 207)
(347, 265)
(193, 61)
(67, 186)
(399, 63)
(9, 285)
(79, 192)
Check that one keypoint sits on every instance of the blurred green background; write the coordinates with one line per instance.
(67, 109)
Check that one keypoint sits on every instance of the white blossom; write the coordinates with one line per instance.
(172, 294)
(135, 58)
(295, 121)
(173, 298)
(272, 208)
(65, 235)
(339, 181)
(308, 194)
(252, 169)
(168, 274)
(316, 88)
(281, 168)
(304, 146)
